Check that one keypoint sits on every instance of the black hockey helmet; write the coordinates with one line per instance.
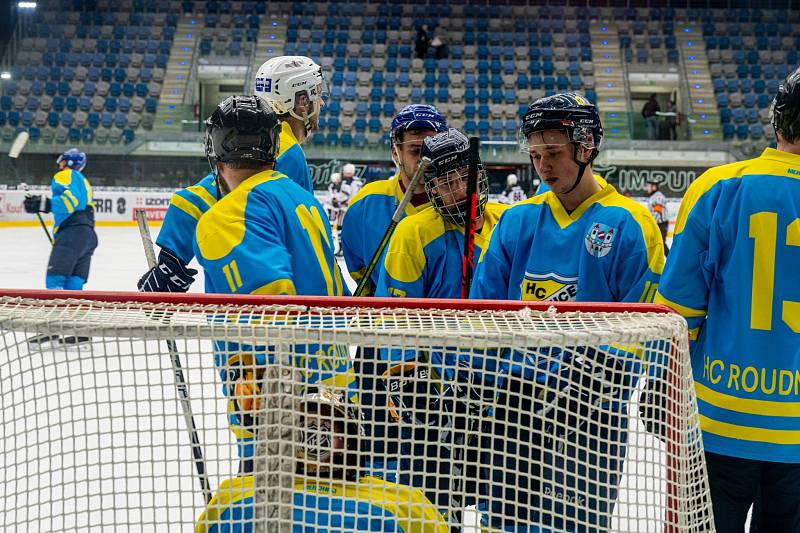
(786, 108)
(449, 155)
(242, 128)
(569, 112)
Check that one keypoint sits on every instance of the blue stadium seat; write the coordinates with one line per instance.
(763, 100)
(752, 115)
(35, 134)
(469, 111)
(756, 132)
(522, 81)
(67, 119)
(13, 118)
(53, 118)
(742, 132)
(388, 109)
(26, 119)
(722, 100)
(483, 128)
(3, 118)
(150, 105)
(739, 115)
(111, 104)
(361, 109)
(470, 127)
(725, 115)
(749, 100)
(389, 94)
(74, 135)
(374, 125)
(120, 120)
(71, 103)
(346, 139)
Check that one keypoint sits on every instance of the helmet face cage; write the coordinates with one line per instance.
(447, 191)
(331, 432)
(785, 110)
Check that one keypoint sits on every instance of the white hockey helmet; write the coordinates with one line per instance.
(282, 79)
(336, 178)
(511, 180)
(349, 170)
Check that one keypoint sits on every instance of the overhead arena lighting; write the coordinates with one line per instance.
(26, 5)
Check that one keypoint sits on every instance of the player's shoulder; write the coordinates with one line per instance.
(494, 210)
(628, 208)
(423, 227)
(377, 188)
(64, 177)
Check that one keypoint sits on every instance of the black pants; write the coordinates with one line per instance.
(737, 483)
(72, 251)
(664, 228)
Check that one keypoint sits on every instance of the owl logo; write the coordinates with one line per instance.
(599, 239)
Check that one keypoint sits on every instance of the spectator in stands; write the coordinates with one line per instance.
(422, 42)
(439, 48)
(649, 111)
(672, 120)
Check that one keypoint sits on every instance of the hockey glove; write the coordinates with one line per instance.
(242, 377)
(586, 379)
(653, 407)
(169, 275)
(36, 203)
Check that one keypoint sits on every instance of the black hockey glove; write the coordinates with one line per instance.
(169, 275)
(653, 407)
(586, 379)
(36, 203)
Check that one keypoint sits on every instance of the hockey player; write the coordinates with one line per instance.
(732, 274)
(266, 235)
(513, 193)
(657, 204)
(370, 211)
(336, 206)
(72, 206)
(350, 182)
(583, 241)
(425, 255)
(329, 493)
(424, 260)
(172, 273)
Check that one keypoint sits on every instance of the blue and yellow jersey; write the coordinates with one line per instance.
(269, 236)
(609, 249)
(368, 215)
(72, 194)
(732, 273)
(425, 255)
(292, 160)
(188, 205)
(370, 504)
(185, 209)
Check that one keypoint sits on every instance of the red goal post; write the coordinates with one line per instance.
(589, 364)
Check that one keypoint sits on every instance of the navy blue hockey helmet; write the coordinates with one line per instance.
(445, 178)
(418, 116)
(74, 158)
(569, 112)
(242, 128)
(786, 108)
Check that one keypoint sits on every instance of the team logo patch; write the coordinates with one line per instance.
(264, 84)
(599, 239)
(548, 287)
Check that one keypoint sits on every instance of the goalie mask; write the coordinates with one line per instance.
(571, 113)
(331, 431)
(446, 176)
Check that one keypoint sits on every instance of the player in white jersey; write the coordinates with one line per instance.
(657, 204)
(513, 193)
(350, 181)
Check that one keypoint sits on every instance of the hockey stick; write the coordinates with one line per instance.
(396, 218)
(177, 370)
(13, 154)
(469, 224)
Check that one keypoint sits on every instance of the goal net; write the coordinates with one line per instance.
(125, 411)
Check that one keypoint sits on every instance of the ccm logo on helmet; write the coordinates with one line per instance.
(264, 84)
(449, 159)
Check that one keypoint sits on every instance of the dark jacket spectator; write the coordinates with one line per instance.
(422, 42)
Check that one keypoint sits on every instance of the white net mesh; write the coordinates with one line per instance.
(335, 418)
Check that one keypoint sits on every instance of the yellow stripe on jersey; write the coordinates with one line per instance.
(186, 206)
(63, 177)
(749, 433)
(218, 235)
(771, 161)
(203, 194)
(424, 228)
(682, 309)
(286, 138)
(745, 405)
(68, 203)
(390, 187)
(89, 193)
(279, 286)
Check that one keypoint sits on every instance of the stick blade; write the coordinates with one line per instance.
(19, 144)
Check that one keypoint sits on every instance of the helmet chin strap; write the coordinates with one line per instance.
(581, 167)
